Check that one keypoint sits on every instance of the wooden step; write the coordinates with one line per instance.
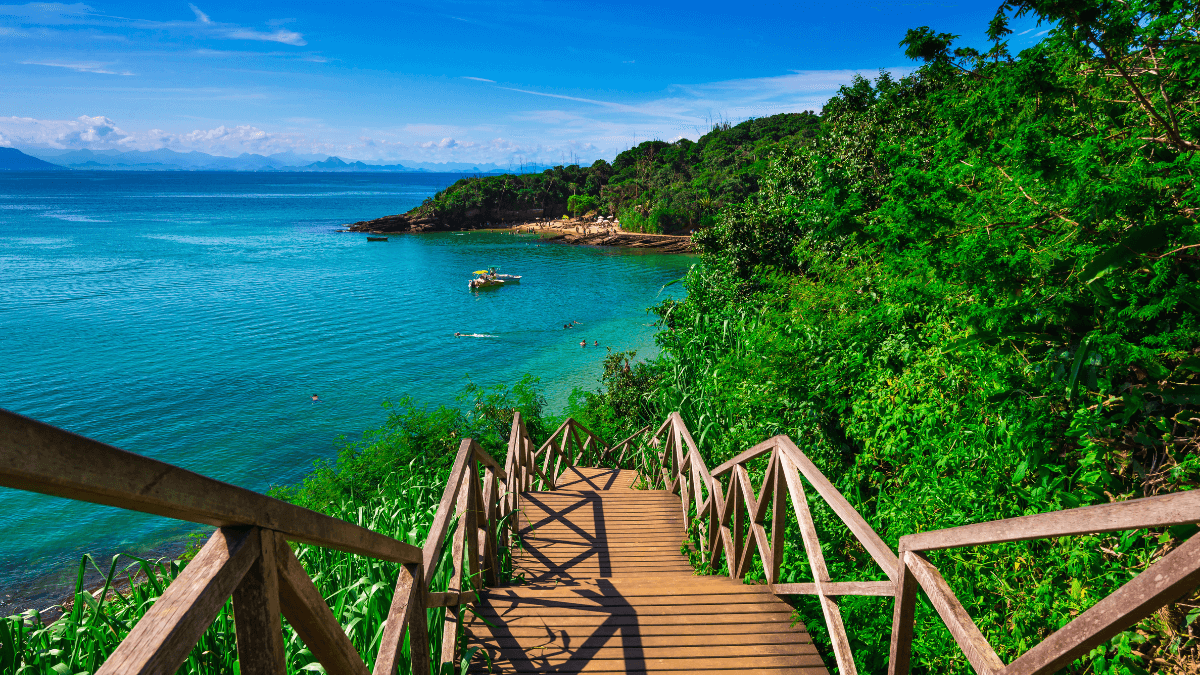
(608, 591)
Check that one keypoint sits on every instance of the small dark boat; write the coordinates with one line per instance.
(377, 238)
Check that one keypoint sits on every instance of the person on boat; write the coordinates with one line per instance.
(458, 335)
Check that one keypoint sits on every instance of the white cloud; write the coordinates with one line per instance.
(200, 16)
(286, 37)
(83, 132)
(44, 14)
(81, 67)
(478, 79)
(579, 125)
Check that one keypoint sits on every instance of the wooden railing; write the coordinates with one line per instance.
(248, 557)
(730, 522)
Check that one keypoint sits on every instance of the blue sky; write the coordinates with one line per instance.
(469, 81)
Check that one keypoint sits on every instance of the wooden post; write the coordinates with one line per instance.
(161, 640)
(256, 613)
(778, 518)
(737, 521)
(461, 548)
(816, 560)
(903, 615)
(408, 604)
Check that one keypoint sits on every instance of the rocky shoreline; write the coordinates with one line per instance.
(583, 232)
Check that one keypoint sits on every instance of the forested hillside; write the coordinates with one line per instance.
(971, 295)
(654, 187)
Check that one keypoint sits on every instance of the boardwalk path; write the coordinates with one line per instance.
(607, 591)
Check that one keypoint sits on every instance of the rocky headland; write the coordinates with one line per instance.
(586, 231)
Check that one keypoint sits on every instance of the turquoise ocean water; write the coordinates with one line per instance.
(190, 317)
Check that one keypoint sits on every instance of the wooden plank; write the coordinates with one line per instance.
(407, 601)
(555, 654)
(904, 609)
(436, 539)
(677, 620)
(548, 445)
(612, 660)
(875, 588)
(256, 613)
(311, 618)
(41, 458)
(499, 601)
(962, 628)
(626, 443)
(624, 670)
(743, 457)
(712, 633)
(797, 640)
(816, 559)
(1177, 573)
(507, 613)
(482, 455)
(1173, 509)
(162, 639)
(880, 551)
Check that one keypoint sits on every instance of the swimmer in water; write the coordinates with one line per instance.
(458, 335)
(596, 343)
(583, 343)
(315, 399)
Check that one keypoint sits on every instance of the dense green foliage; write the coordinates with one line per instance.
(973, 295)
(655, 187)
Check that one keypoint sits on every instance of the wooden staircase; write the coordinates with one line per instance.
(603, 585)
(607, 590)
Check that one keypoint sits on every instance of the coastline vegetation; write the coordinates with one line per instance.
(655, 187)
(970, 293)
(971, 296)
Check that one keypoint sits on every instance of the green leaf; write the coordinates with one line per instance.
(1146, 239)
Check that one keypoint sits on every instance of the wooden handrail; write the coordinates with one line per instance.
(37, 457)
(249, 559)
(731, 523)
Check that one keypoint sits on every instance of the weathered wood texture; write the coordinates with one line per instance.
(40, 458)
(162, 639)
(608, 591)
(604, 588)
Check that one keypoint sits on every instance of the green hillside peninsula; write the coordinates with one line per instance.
(973, 295)
(656, 187)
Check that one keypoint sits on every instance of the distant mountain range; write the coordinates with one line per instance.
(12, 159)
(170, 160)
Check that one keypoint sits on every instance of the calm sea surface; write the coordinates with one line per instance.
(190, 317)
